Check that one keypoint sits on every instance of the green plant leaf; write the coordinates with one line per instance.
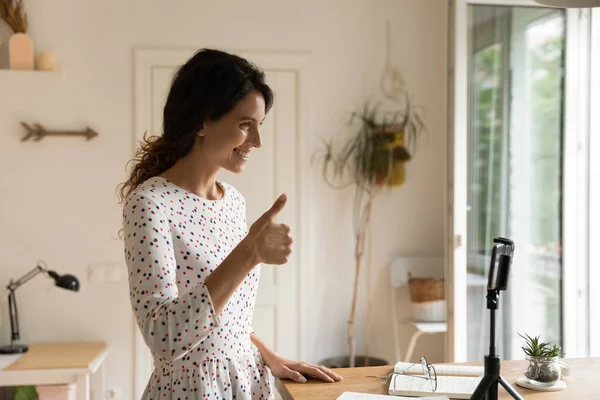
(367, 158)
(534, 348)
(25, 393)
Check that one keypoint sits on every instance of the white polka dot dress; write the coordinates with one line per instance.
(173, 241)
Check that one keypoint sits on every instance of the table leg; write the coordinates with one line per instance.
(82, 386)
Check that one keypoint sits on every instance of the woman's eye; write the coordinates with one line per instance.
(245, 125)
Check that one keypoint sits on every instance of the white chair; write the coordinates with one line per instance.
(418, 267)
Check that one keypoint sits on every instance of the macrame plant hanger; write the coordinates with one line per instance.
(392, 82)
(392, 87)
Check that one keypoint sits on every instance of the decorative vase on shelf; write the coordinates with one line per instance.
(20, 52)
(46, 61)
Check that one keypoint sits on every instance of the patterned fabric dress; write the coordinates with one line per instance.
(173, 241)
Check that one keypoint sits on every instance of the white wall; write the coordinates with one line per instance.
(59, 199)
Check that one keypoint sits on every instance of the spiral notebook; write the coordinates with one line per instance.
(454, 381)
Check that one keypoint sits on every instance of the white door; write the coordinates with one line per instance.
(271, 171)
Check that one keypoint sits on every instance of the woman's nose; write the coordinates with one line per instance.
(256, 138)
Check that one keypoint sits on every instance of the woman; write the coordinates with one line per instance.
(193, 265)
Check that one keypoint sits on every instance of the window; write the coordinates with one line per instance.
(515, 169)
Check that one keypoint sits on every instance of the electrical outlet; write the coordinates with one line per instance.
(113, 273)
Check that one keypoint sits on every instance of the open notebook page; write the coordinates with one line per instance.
(365, 396)
(455, 387)
(440, 369)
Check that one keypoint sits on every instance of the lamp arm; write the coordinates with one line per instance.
(12, 300)
(14, 316)
(13, 285)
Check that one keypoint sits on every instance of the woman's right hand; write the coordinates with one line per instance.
(271, 241)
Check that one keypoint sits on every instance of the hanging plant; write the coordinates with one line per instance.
(372, 158)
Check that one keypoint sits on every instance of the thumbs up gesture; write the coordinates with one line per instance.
(270, 240)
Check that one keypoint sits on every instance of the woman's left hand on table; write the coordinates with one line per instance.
(296, 371)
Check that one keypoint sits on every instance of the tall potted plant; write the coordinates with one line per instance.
(373, 157)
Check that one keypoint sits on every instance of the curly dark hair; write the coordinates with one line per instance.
(205, 88)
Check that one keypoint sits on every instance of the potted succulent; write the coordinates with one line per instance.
(543, 365)
(371, 158)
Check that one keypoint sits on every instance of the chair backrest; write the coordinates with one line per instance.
(418, 267)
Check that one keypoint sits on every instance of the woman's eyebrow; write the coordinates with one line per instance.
(248, 118)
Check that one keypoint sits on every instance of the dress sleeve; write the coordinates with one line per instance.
(244, 229)
(171, 322)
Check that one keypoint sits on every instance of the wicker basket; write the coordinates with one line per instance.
(426, 289)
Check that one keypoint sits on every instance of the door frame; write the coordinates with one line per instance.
(144, 59)
(575, 286)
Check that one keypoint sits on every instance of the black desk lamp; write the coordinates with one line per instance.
(63, 281)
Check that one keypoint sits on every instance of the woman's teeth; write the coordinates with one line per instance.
(240, 153)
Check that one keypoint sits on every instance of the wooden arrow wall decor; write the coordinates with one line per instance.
(37, 132)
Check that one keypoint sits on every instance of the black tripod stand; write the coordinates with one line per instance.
(488, 387)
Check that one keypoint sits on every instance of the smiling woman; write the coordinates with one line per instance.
(215, 102)
(227, 142)
(194, 267)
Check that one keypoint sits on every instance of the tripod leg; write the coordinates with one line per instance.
(510, 389)
(492, 393)
(482, 389)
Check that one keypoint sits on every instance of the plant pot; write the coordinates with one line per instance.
(20, 52)
(359, 361)
(389, 156)
(543, 370)
(395, 177)
(427, 298)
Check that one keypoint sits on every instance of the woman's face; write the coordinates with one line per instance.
(228, 142)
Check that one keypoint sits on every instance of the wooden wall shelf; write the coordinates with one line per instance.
(9, 76)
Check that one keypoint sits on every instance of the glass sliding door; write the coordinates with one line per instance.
(515, 108)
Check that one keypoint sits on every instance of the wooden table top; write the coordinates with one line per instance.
(59, 355)
(582, 383)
